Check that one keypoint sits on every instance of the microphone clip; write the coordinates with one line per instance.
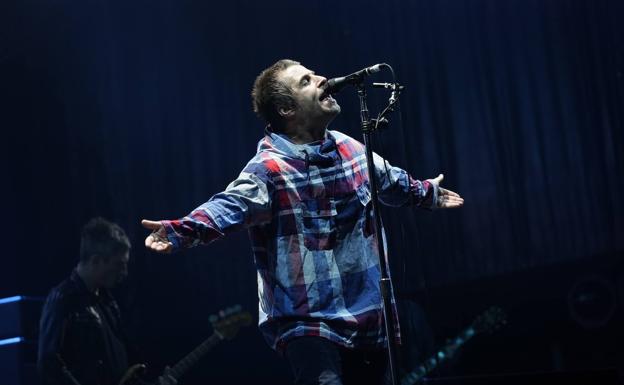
(380, 123)
(396, 90)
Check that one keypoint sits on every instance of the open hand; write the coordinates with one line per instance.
(157, 240)
(447, 199)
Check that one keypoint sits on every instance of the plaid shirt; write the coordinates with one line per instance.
(308, 212)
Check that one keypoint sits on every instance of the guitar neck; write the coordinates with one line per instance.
(442, 355)
(191, 359)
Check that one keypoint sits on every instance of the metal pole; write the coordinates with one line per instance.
(385, 284)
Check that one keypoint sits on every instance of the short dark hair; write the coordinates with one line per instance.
(269, 94)
(103, 238)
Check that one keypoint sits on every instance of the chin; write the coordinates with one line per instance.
(333, 111)
(114, 284)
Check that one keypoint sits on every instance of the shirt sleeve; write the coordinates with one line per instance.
(51, 330)
(398, 188)
(245, 202)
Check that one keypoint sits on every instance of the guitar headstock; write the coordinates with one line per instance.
(491, 319)
(227, 322)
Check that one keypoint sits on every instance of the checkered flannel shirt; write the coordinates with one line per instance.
(308, 213)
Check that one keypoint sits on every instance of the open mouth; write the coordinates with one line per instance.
(326, 96)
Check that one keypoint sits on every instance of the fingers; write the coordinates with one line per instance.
(155, 244)
(149, 240)
(151, 225)
(157, 240)
(438, 179)
(444, 191)
(446, 198)
(450, 204)
(449, 199)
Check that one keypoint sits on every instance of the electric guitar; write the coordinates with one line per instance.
(225, 327)
(490, 320)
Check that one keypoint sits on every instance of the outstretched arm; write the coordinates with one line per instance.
(398, 188)
(245, 202)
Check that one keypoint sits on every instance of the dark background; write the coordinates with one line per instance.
(141, 109)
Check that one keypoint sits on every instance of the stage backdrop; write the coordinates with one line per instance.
(141, 109)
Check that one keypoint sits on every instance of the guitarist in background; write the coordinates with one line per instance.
(81, 338)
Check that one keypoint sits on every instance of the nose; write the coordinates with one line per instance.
(322, 81)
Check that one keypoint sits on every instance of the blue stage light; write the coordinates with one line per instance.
(10, 341)
(11, 299)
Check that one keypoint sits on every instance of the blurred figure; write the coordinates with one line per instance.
(80, 327)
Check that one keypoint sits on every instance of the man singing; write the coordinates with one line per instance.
(305, 200)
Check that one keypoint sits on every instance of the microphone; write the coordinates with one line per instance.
(335, 85)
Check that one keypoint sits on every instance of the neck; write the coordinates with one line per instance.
(87, 277)
(302, 134)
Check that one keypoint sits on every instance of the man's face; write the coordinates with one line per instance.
(112, 270)
(313, 107)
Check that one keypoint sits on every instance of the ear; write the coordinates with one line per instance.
(286, 113)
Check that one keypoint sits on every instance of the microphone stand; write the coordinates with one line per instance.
(385, 284)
